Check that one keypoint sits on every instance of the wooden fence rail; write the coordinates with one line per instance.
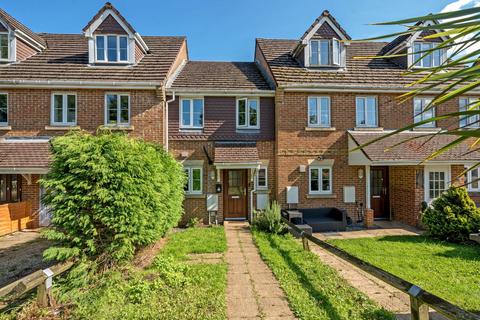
(420, 300)
(41, 279)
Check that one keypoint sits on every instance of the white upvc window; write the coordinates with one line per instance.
(320, 180)
(473, 183)
(191, 113)
(325, 52)
(366, 111)
(248, 113)
(471, 121)
(433, 59)
(3, 109)
(117, 109)
(420, 114)
(262, 178)
(111, 48)
(319, 112)
(437, 179)
(4, 47)
(194, 181)
(63, 109)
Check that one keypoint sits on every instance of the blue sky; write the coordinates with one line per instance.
(222, 30)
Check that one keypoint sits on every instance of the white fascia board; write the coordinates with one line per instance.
(175, 74)
(219, 92)
(37, 46)
(78, 84)
(319, 24)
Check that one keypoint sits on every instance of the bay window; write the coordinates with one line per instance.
(117, 109)
(325, 52)
(3, 109)
(111, 48)
(320, 180)
(248, 113)
(421, 113)
(64, 109)
(191, 113)
(432, 59)
(194, 181)
(366, 110)
(469, 121)
(319, 112)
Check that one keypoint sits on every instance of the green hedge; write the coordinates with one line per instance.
(110, 194)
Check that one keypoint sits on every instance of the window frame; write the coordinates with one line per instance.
(9, 47)
(319, 115)
(64, 109)
(334, 58)
(470, 188)
(247, 126)
(8, 188)
(431, 124)
(476, 123)
(5, 124)
(359, 125)
(105, 48)
(320, 182)
(420, 63)
(191, 126)
(258, 186)
(189, 190)
(118, 124)
(434, 168)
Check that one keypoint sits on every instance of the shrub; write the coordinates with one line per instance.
(452, 216)
(109, 195)
(270, 219)
(194, 222)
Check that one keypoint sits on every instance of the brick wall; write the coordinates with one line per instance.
(31, 193)
(406, 195)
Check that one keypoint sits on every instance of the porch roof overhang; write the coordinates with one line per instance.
(238, 165)
(236, 155)
(407, 149)
(24, 156)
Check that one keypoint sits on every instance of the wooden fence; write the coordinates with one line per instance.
(41, 279)
(420, 300)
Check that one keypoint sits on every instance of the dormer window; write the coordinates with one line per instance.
(111, 48)
(4, 46)
(325, 52)
(433, 59)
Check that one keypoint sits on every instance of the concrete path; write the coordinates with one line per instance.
(252, 290)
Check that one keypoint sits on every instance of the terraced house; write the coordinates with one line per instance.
(278, 128)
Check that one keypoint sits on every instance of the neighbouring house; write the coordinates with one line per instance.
(278, 128)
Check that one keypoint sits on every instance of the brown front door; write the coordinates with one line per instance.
(235, 194)
(379, 191)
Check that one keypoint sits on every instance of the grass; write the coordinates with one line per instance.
(451, 271)
(314, 290)
(168, 289)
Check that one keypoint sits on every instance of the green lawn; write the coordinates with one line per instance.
(314, 290)
(169, 289)
(451, 271)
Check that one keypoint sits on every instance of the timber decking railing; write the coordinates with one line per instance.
(40, 279)
(420, 300)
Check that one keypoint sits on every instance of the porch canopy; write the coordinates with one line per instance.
(416, 147)
(236, 155)
(24, 155)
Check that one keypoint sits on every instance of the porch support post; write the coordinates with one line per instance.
(367, 186)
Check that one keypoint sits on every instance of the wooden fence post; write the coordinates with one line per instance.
(44, 290)
(306, 246)
(419, 310)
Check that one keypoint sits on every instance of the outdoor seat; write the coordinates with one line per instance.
(323, 219)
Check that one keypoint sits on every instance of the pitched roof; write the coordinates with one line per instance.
(418, 149)
(325, 14)
(16, 25)
(66, 58)
(234, 152)
(109, 6)
(220, 76)
(380, 73)
(24, 154)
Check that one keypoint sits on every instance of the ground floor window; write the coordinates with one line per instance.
(437, 183)
(194, 180)
(472, 180)
(262, 179)
(320, 180)
(10, 188)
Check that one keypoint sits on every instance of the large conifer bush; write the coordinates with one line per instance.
(110, 194)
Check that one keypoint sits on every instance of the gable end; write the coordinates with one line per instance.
(110, 25)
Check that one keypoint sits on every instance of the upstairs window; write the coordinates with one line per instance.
(3, 109)
(366, 108)
(4, 46)
(117, 109)
(319, 112)
(433, 59)
(248, 113)
(191, 113)
(64, 109)
(194, 181)
(111, 48)
(325, 52)
(472, 121)
(420, 114)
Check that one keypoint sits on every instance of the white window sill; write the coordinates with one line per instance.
(5, 128)
(194, 196)
(368, 128)
(119, 127)
(61, 128)
(262, 190)
(320, 129)
(188, 129)
(321, 196)
(434, 129)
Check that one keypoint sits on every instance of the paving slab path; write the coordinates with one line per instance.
(253, 292)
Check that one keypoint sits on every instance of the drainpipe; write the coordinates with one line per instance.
(254, 189)
(166, 120)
